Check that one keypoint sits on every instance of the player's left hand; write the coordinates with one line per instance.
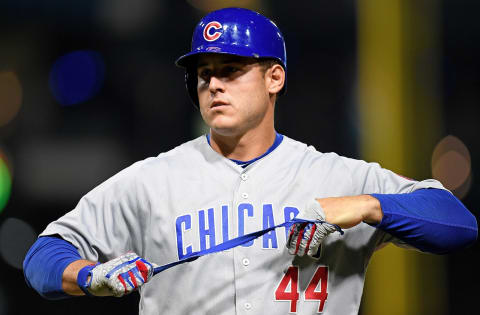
(306, 238)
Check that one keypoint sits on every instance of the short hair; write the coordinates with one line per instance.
(267, 63)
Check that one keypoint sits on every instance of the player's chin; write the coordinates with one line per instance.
(225, 126)
(221, 121)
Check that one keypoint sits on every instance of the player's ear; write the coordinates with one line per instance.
(275, 78)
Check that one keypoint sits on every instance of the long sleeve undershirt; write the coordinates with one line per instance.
(432, 220)
(45, 263)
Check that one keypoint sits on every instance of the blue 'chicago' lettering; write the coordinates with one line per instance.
(268, 221)
(186, 220)
(225, 223)
(204, 231)
(241, 220)
(206, 227)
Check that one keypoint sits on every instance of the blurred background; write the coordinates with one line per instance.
(89, 87)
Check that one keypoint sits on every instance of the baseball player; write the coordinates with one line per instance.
(316, 218)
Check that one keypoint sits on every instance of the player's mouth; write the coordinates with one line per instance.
(218, 103)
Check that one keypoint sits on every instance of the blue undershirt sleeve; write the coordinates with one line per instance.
(432, 220)
(44, 265)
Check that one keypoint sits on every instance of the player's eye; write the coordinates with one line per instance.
(231, 69)
(205, 74)
(228, 71)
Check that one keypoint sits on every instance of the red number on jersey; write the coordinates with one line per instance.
(311, 293)
(281, 293)
(321, 275)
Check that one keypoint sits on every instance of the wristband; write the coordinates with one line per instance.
(82, 277)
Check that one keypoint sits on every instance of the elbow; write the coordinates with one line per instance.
(33, 277)
(44, 265)
(468, 234)
(443, 239)
(468, 227)
(463, 228)
(48, 289)
(464, 237)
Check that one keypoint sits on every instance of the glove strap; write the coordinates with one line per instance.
(238, 241)
(82, 277)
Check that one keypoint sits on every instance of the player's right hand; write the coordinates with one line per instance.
(117, 277)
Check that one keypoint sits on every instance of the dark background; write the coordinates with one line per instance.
(138, 107)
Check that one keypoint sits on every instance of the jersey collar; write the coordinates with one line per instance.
(276, 143)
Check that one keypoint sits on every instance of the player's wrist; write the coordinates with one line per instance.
(373, 213)
(70, 278)
(84, 278)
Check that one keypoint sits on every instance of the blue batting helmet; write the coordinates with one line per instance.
(233, 31)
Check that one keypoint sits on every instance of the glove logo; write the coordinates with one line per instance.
(207, 31)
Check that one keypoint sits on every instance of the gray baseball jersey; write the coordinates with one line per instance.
(192, 198)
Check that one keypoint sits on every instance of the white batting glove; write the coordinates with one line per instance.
(117, 277)
(306, 238)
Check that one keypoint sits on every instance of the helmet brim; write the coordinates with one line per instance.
(190, 59)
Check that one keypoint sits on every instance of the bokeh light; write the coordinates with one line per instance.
(451, 165)
(76, 77)
(10, 96)
(16, 237)
(5, 182)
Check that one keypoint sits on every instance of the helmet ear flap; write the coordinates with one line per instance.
(191, 81)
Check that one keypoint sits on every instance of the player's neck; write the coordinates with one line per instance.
(243, 147)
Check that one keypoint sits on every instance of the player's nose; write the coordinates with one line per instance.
(216, 85)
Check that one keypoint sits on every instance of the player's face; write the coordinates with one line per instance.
(233, 94)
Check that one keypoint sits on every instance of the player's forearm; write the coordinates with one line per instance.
(349, 211)
(432, 220)
(69, 278)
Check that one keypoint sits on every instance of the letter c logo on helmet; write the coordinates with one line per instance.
(207, 34)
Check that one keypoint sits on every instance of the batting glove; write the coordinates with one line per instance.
(117, 277)
(306, 238)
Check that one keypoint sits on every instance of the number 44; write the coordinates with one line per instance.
(311, 293)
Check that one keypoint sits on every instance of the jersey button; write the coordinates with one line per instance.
(246, 261)
(244, 177)
(245, 195)
(248, 306)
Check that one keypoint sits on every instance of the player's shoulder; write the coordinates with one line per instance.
(187, 152)
(309, 152)
(313, 161)
(149, 167)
